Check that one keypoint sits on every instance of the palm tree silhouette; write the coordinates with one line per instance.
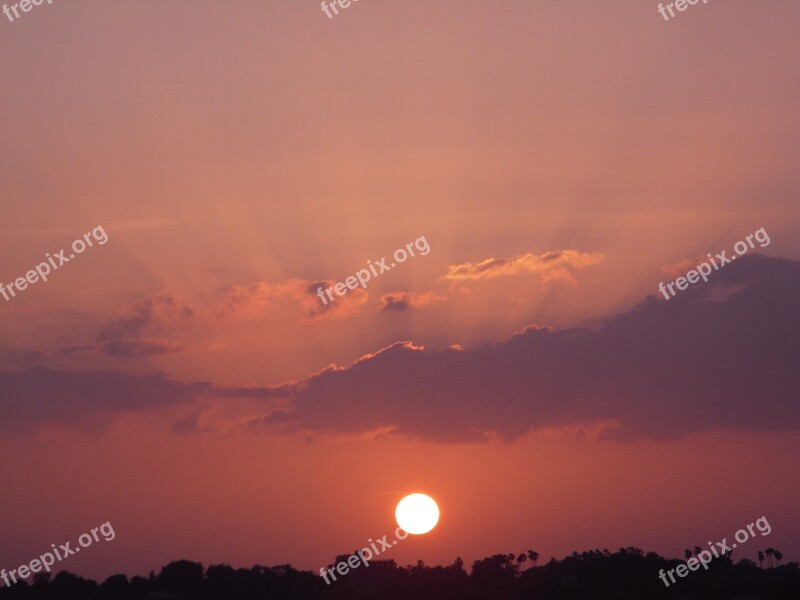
(760, 559)
(687, 554)
(521, 560)
(778, 556)
(770, 553)
(534, 556)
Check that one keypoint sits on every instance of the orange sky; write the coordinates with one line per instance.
(238, 154)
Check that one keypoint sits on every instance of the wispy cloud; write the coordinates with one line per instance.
(557, 264)
(93, 399)
(131, 334)
(255, 299)
(403, 301)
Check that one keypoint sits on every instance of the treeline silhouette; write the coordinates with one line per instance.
(628, 574)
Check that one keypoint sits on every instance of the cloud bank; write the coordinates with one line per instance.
(723, 355)
(92, 399)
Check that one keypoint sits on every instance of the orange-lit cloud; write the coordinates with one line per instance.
(683, 266)
(254, 300)
(555, 265)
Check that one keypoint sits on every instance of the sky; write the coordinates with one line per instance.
(550, 164)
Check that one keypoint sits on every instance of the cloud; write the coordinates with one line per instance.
(134, 334)
(550, 265)
(700, 361)
(253, 300)
(192, 424)
(92, 399)
(140, 347)
(165, 308)
(402, 301)
(682, 267)
(131, 334)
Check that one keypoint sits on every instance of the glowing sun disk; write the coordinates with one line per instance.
(417, 514)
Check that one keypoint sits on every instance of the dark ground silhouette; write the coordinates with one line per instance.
(627, 574)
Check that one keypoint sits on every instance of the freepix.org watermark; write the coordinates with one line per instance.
(327, 7)
(362, 556)
(42, 270)
(704, 269)
(680, 5)
(23, 5)
(48, 559)
(704, 556)
(363, 276)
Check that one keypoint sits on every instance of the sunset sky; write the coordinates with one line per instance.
(185, 382)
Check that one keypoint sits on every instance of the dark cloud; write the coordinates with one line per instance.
(140, 347)
(162, 309)
(191, 424)
(402, 301)
(131, 334)
(720, 355)
(93, 398)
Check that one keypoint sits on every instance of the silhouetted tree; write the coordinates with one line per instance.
(67, 586)
(533, 556)
(117, 587)
(769, 552)
(182, 578)
(521, 560)
(494, 576)
(628, 574)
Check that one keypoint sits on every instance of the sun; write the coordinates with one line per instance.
(417, 514)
